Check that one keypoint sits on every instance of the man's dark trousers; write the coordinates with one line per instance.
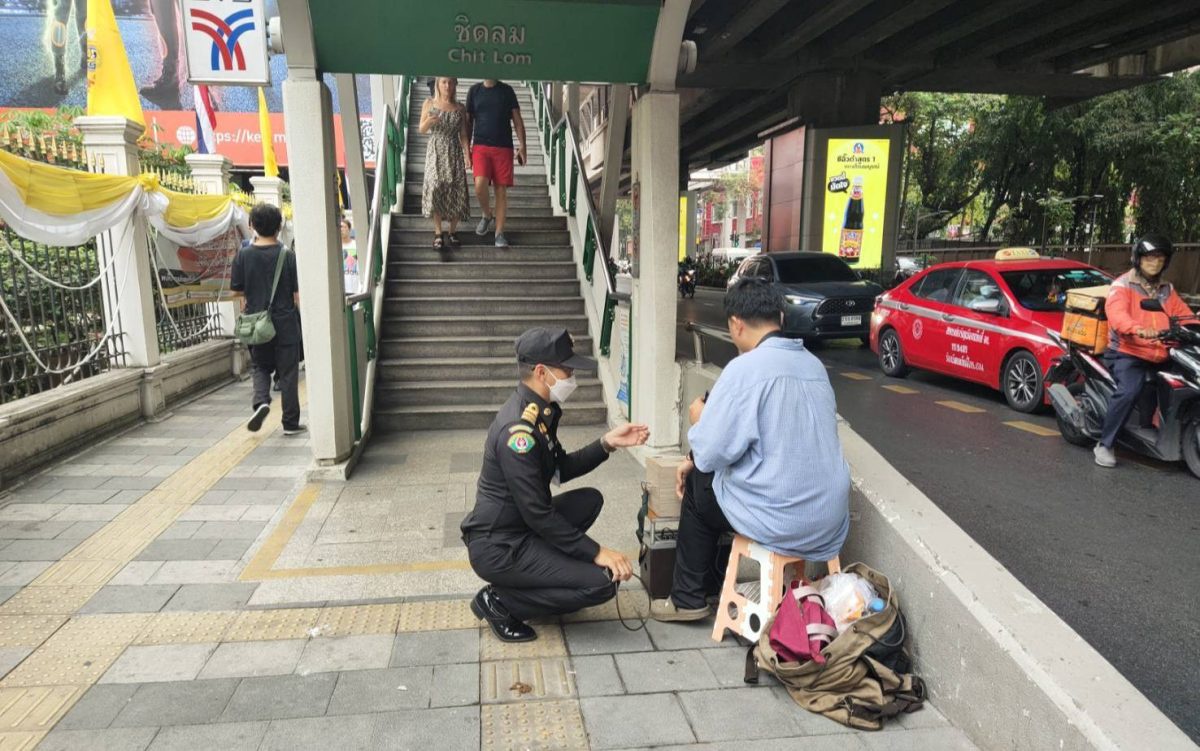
(1130, 373)
(698, 572)
(285, 360)
(532, 577)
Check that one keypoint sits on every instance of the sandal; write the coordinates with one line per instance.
(453, 241)
(437, 241)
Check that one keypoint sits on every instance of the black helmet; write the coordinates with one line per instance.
(1152, 244)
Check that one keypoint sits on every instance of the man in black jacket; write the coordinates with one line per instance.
(532, 547)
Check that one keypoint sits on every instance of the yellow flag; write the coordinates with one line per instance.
(270, 166)
(110, 86)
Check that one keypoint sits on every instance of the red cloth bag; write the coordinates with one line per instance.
(802, 628)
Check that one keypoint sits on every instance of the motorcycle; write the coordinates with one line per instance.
(687, 283)
(1081, 386)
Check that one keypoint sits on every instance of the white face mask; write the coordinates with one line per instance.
(562, 388)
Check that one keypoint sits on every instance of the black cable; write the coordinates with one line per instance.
(621, 618)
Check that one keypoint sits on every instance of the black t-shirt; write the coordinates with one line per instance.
(252, 274)
(491, 112)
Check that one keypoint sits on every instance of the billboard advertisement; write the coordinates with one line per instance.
(44, 66)
(856, 195)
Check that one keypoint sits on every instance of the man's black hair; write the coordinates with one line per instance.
(754, 301)
(266, 219)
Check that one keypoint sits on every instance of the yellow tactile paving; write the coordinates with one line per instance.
(188, 628)
(64, 667)
(634, 606)
(28, 630)
(549, 643)
(525, 680)
(109, 628)
(81, 571)
(960, 407)
(1034, 428)
(47, 600)
(436, 615)
(901, 389)
(274, 625)
(532, 724)
(35, 709)
(19, 741)
(358, 620)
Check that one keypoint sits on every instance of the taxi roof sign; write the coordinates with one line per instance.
(1016, 254)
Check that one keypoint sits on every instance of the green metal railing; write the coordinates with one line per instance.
(566, 167)
(389, 182)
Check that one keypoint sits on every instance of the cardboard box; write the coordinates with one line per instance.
(1088, 299)
(660, 479)
(1087, 330)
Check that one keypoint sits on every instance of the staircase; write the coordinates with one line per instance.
(447, 357)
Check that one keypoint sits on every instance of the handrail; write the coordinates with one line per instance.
(701, 330)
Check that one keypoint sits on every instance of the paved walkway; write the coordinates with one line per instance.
(182, 587)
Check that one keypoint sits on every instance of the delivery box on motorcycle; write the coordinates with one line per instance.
(1084, 321)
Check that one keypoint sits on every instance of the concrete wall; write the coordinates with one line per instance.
(38, 429)
(999, 664)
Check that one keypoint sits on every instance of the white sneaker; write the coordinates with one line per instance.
(1105, 456)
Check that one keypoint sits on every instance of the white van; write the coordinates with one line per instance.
(733, 255)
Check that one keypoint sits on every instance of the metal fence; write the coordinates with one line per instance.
(179, 325)
(51, 335)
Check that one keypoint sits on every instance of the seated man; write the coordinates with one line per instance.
(766, 460)
(531, 547)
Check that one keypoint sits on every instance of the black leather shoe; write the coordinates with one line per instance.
(486, 606)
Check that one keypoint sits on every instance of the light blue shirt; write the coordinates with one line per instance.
(769, 433)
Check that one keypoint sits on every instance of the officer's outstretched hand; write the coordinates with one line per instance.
(617, 564)
(629, 434)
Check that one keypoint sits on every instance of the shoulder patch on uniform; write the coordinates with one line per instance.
(522, 427)
(521, 443)
(530, 414)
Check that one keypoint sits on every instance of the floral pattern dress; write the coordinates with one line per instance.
(445, 189)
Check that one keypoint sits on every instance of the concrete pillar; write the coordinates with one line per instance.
(830, 99)
(573, 106)
(210, 172)
(383, 96)
(267, 189)
(308, 118)
(556, 100)
(356, 176)
(655, 387)
(614, 154)
(111, 144)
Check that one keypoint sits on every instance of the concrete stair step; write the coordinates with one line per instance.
(450, 393)
(465, 346)
(466, 235)
(471, 416)
(483, 306)
(412, 207)
(515, 223)
(526, 177)
(496, 324)
(455, 269)
(476, 252)
(458, 380)
(482, 286)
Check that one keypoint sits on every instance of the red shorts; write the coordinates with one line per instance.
(493, 162)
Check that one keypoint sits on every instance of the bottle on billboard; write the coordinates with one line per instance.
(850, 244)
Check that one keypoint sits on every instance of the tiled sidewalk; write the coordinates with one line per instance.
(182, 587)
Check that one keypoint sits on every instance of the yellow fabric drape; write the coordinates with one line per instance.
(187, 210)
(111, 89)
(54, 190)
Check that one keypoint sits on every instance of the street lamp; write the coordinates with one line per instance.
(917, 222)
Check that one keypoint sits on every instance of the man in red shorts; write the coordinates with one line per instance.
(493, 110)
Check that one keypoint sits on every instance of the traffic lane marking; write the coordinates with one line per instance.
(901, 389)
(960, 407)
(856, 376)
(1030, 427)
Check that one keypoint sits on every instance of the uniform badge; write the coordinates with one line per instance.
(547, 411)
(530, 414)
(521, 443)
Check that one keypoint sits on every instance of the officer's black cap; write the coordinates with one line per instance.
(551, 346)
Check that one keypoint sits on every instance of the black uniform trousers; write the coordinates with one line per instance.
(1132, 391)
(284, 361)
(698, 569)
(534, 578)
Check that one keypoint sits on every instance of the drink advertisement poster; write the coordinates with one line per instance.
(856, 179)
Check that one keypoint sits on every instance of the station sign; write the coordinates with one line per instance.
(226, 42)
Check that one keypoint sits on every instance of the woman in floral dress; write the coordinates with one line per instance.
(444, 195)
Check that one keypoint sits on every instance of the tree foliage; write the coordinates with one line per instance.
(1007, 166)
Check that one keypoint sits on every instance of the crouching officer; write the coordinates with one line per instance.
(532, 547)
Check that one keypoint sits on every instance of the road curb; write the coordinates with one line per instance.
(1000, 665)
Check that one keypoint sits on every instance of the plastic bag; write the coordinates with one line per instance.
(846, 597)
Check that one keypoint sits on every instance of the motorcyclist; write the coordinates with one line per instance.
(1134, 350)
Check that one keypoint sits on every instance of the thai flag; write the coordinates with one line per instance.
(206, 121)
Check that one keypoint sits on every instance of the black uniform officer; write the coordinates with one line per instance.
(530, 546)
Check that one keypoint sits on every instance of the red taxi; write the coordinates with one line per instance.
(983, 321)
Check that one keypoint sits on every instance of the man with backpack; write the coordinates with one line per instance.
(264, 276)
